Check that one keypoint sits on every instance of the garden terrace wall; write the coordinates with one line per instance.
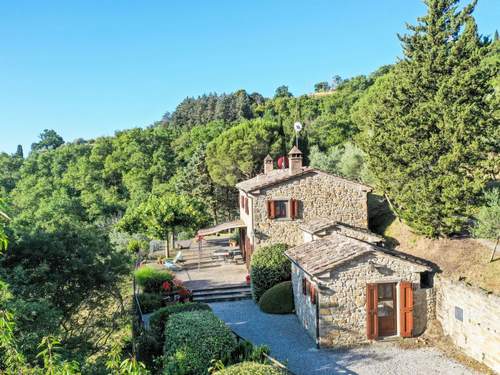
(471, 318)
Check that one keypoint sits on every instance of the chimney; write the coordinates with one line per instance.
(268, 164)
(295, 160)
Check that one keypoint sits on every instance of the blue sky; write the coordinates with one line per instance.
(88, 68)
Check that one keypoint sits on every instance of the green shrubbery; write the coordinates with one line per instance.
(278, 299)
(149, 302)
(159, 318)
(193, 339)
(269, 267)
(151, 279)
(250, 368)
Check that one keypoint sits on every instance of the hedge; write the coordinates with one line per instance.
(250, 368)
(151, 278)
(278, 299)
(149, 302)
(193, 339)
(270, 266)
(159, 318)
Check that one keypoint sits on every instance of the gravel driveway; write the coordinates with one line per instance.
(290, 344)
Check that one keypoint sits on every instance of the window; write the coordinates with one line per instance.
(426, 280)
(242, 201)
(459, 313)
(385, 292)
(246, 205)
(304, 286)
(280, 209)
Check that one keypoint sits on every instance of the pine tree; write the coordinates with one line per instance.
(430, 126)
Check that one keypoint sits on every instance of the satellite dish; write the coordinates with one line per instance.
(297, 126)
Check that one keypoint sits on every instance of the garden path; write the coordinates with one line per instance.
(290, 344)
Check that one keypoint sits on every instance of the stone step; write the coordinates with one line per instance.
(223, 297)
(222, 288)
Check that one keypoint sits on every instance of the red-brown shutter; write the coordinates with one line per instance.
(371, 311)
(406, 308)
(292, 209)
(271, 209)
(312, 293)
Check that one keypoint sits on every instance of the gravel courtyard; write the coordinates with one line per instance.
(290, 344)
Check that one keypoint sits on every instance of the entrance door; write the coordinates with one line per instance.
(386, 309)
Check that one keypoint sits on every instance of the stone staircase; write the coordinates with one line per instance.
(222, 293)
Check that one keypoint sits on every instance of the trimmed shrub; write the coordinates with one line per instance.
(270, 266)
(159, 318)
(278, 299)
(193, 339)
(151, 278)
(250, 368)
(149, 302)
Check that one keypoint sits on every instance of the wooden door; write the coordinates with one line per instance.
(371, 311)
(386, 309)
(406, 309)
(248, 251)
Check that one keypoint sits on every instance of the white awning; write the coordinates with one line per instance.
(222, 227)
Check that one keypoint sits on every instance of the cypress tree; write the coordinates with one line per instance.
(430, 127)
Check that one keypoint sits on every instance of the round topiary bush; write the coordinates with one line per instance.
(270, 266)
(250, 368)
(193, 339)
(278, 299)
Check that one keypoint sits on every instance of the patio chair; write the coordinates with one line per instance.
(173, 265)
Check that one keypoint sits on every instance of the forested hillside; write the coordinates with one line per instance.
(424, 132)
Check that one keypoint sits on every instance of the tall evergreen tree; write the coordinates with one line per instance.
(430, 125)
(19, 151)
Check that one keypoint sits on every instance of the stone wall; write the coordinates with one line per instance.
(342, 320)
(319, 195)
(305, 310)
(471, 317)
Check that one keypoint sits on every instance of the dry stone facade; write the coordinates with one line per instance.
(319, 195)
(471, 318)
(342, 297)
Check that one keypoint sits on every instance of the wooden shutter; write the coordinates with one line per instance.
(371, 311)
(271, 209)
(312, 293)
(294, 208)
(406, 308)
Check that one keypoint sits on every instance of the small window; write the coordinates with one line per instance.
(459, 313)
(280, 209)
(426, 280)
(385, 292)
(304, 286)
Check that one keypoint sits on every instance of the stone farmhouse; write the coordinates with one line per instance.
(347, 288)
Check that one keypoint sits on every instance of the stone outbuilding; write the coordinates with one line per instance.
(348, 290)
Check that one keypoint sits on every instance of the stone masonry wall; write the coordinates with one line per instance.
(342, 311)
(319, 195)
(471, 317)
(305, 310)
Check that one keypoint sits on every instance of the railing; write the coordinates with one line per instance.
(274, 362)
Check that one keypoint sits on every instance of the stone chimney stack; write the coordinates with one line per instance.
(295, 160)
(268, 164)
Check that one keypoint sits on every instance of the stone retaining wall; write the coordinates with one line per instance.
(471, 317)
